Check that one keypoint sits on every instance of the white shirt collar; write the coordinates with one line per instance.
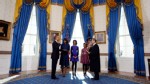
(56, 41)
(94, 44)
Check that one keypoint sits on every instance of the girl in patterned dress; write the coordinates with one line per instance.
(74, 57)
(85, 58)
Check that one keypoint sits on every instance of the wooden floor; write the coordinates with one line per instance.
(117, 73)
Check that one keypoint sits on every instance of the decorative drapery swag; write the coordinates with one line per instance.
(20, 29)
(133, 14)
(114, 3)
(86, 9)
(21, 20)
(83, 5)
(41, 19)
(113, 17)
(18, 7)
(42, 3)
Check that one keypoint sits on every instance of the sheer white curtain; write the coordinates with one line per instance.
(124, 45)
(77, 33)
(30, 44)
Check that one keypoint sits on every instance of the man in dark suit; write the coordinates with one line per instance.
(55, 56)
(94, 55)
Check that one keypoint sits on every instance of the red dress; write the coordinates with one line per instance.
(84, 56)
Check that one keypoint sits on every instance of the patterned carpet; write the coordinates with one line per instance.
(105, 78)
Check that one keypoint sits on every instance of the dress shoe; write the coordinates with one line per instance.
(55, 78)
(94, 78)
(85, 74)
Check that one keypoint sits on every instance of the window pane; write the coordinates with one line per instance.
(123, 27)
(26, 50)
(32, 50)
(126, 51)
(125, 42)
(30, 40)
(27, 39)
(77, 33)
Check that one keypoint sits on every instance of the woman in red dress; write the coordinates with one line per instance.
(85, 58)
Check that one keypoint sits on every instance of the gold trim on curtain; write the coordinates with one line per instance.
(29, 1)
(17, 10)
(47, 5)
(111, 3)
(69, 6)
(139, 10)
(64, 17)
(78, 2)
(107, 15)
(44, 3)
(87, 6)
(128, 1)
(48, 10)
(92, 17)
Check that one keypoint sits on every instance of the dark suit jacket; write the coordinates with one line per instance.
(55, 50)
(94, 58)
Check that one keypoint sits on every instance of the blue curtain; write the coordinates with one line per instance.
(41, 16)
(86, 25)
(60, 2)
(112, 33)
(135, 29)
(96, 2)
(20, 29)
(69, 25)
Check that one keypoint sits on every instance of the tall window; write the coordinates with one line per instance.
(77, 33)
(124, 44)
(29, 47)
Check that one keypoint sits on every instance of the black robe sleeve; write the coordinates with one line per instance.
(95, 58)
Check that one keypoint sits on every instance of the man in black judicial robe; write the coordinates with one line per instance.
(94, 55)
(55, 56)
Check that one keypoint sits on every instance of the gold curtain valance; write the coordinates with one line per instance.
(28, 1)
(44, 3)
(78, 2)
(48, 9)
(64, 17)
(111, 3)
(137, 3)
(17, 9)
(128, 1)
(107, 16)
(92, 16)
(86, 6)
(69, 6)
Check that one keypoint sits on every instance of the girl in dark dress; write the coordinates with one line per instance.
(74, 56)
(64, 60)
